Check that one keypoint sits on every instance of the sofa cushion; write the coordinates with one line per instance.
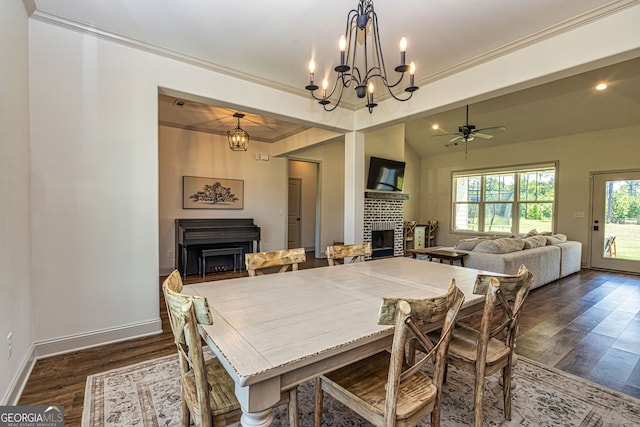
(469, 244)
(534, 242)
(532, 233)
(555, 239)
(500, 246)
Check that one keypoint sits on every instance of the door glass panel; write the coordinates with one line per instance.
(622, 220)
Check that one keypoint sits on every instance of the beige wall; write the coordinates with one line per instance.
(16, 309)
(578, 155)
(389, 143)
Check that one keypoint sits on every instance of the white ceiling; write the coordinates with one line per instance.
(271, 42)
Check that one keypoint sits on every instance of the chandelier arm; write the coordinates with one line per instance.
(335, 105)
(390, 87)
(378, 48)
(352, 52)
(336, 86)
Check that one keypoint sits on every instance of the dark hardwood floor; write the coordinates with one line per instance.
(587, 324)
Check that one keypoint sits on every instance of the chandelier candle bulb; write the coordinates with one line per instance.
(403, 51)
(342, 44)
(312, 69)
(412, 72)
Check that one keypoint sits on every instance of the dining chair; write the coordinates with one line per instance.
(257, 261)
(208, 392)
(490, 349)
(408, 232)
(432, 226)
(337, 253)
(208, 396)
(384, 389)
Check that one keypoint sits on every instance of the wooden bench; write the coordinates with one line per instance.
(236, 252)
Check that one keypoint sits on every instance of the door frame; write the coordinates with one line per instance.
(318, 201)
(594, 238)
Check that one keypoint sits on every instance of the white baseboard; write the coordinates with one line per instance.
(71, 343)
(16, 386)
(93, 339)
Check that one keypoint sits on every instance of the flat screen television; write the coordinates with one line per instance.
(385, 174)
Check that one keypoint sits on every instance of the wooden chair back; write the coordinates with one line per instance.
(385, 388)
(185, 312)
(490, 349)
(283, 259)
(411, 314)
(358, 252)
(430, 238)
(506, 294)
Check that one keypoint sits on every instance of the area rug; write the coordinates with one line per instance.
(148, 394)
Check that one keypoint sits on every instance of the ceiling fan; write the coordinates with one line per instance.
(469, 132)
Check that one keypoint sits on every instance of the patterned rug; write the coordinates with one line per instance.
(148, 394)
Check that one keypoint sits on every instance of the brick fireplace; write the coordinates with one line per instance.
(383, 221)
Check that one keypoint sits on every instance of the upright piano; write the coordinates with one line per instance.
(194, 235)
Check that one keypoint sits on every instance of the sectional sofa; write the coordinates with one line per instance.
(547, 257)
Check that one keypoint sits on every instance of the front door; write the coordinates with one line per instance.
(615, 228)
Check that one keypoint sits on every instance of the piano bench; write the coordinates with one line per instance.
(236, 252)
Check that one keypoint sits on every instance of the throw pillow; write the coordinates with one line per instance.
(534, 242)
(500, 246)
(468, 244)
(532, 233)
(555, 239)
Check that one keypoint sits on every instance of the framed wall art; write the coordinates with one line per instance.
(212, 193)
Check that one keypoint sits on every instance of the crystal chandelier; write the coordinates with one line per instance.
(238, 137)
(360, 46)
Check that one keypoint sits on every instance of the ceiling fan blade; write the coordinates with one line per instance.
(445, 134)
(483, 135)
(494, 129)
(457, 138)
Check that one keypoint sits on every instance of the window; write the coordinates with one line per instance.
(505, 201)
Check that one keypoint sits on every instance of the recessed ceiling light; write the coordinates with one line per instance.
(601, 86)
(435, 126)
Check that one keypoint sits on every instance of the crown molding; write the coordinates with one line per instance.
(545, 34)
(603, 11)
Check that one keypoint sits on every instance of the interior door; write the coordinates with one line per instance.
(615, 228)
(295, 212)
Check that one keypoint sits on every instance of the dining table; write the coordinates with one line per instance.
(276, 331)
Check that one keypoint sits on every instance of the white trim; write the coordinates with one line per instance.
(70, 343)
(16, 386)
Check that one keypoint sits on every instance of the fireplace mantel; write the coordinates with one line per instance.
(385, 195)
